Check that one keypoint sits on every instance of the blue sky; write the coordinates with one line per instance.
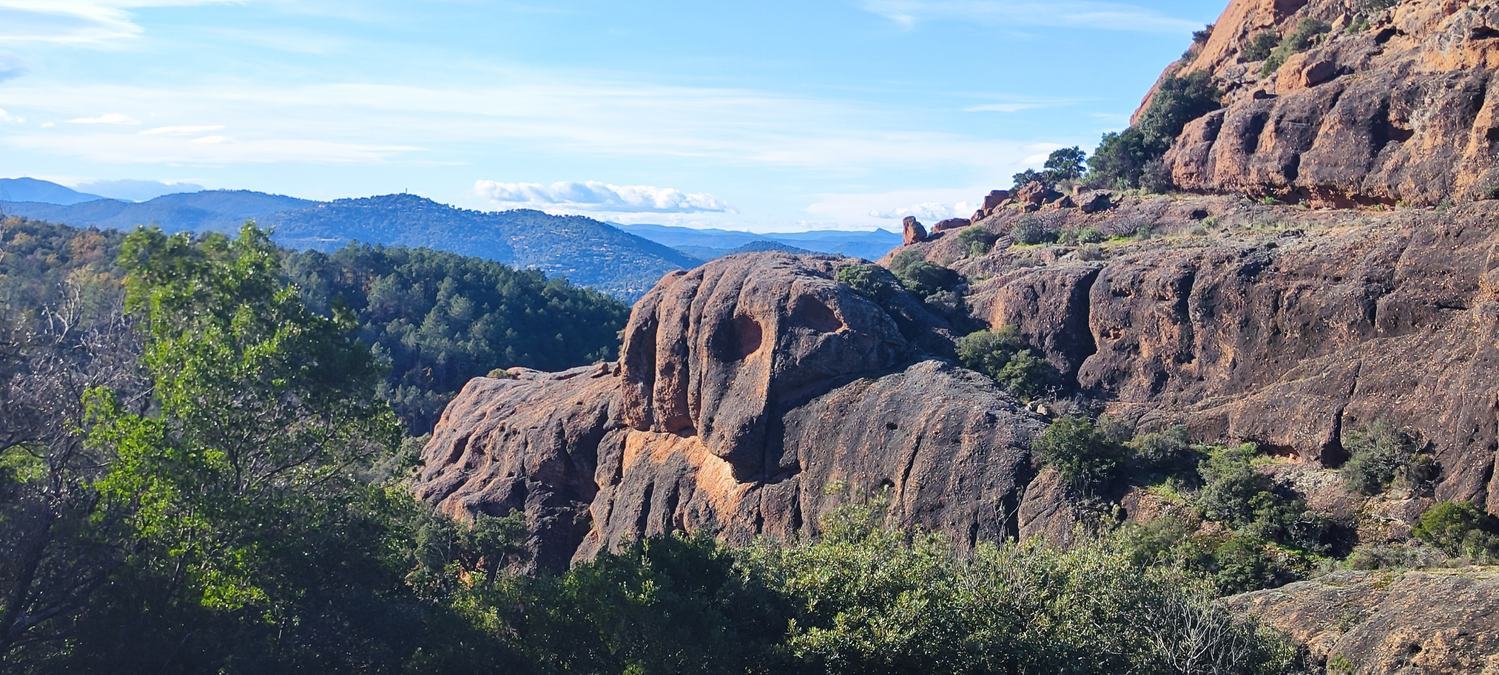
(766, 116)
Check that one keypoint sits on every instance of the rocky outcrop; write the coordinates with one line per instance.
(1286, 335)
(746, 390)
(1395, 105)
(951, 224)
(1436, 621)
(912, 231)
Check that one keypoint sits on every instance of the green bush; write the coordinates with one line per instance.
(1259, 47)
(1121, 157)
(977, 241)
(1002, 355)
(1163, 450)
(1459, 529)
(1302, 38)
(1230, 484)
(1078, 451)
(1030, 230)
(1177, 101)
(871, 281)
(925, 279)
(866, 599)
(1377, 454)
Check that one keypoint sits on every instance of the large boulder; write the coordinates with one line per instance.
(745, 390)
(912, 231)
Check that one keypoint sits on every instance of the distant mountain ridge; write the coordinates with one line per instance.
(47, 192)
(624, 261)
(708, 243)
(583, 250)
(207, 211)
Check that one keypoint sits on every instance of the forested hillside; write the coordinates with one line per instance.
(582, 250)
(433, 320)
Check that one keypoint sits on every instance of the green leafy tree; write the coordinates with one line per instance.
(1459, 529)
(1066, 164)
(254, 544)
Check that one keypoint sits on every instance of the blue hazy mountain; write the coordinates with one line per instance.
(624, 261)
(132, 190)
(583, 250)
(713, 243)
(208, 211)
(41, 191)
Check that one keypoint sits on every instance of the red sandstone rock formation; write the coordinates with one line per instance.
(912, 231)
(1400, 105)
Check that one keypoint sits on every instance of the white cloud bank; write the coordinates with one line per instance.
(598, 196)
(927, 212)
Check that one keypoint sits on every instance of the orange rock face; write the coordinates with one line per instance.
(1394, 106)
(745, 389)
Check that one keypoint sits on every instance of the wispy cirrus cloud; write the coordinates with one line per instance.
(533, 112)
(107, 119)
(1016, 104)
(1114, 16)
(599, 196)
(183, 130)
(83, 22)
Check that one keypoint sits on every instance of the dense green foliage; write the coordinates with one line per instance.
(441, 319)
(1029, 229)
(921, 277)
(1064, 164)
(1459, 529)
(871, 281)
(435, 320)
(1378, 454)
(1125, 158)
(1258, 48)
(976, 240)
(1002, 355)
(1083, 454)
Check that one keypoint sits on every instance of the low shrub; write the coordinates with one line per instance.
(1303, 37)
(977, 241)
(871, 281)
(1080, 452)
(1163, 450)
(1030, 230)
(925, 279)
(1377, 455)
(1459, 529)
(1259, 47)
(1003, 356)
